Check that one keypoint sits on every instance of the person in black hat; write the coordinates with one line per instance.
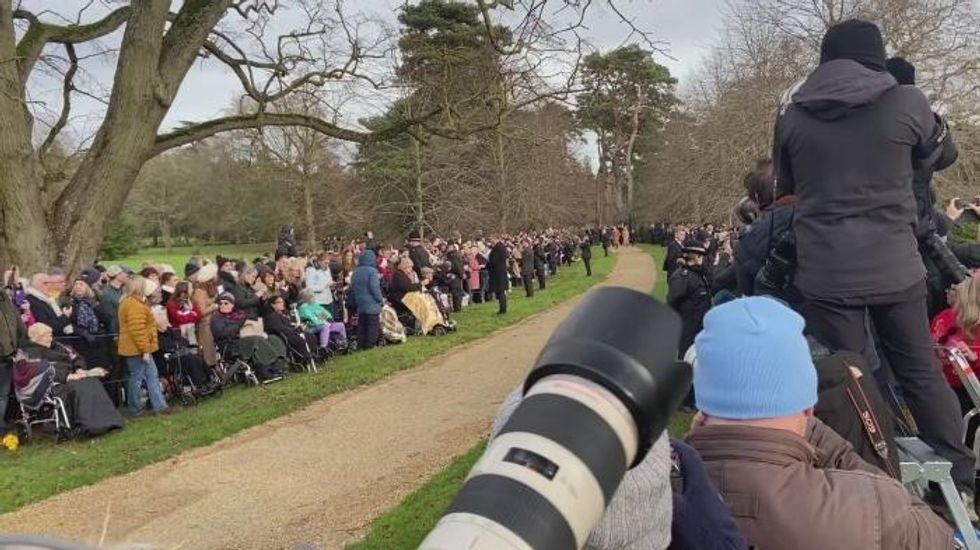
(689, 294)
(847, 141)
(417, 252)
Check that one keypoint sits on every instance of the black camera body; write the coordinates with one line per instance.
(777, 273)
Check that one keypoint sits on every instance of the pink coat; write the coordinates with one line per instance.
(474, 274)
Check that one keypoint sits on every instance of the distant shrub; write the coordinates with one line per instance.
(119, 241)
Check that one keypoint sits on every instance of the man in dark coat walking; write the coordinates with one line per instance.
(539, 263)
(497, 265)
(527, 268)
(675, 250)
(586, 247)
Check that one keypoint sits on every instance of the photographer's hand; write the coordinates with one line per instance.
(954, 212)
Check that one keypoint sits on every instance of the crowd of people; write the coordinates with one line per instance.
(819, 331)
(116, 338)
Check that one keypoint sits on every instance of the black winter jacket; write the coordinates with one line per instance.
(845, 146)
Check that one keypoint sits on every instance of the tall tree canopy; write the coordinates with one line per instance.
(627, 101)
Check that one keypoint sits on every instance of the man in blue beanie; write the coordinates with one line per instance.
(790, 481)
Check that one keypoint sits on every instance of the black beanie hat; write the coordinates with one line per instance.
(902, 70)
(856, 40)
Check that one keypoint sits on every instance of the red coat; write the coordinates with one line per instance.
(178, 317)
(945, 332)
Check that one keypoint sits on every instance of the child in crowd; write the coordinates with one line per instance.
(319, 321)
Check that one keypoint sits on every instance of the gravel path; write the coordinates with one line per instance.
(319, 475)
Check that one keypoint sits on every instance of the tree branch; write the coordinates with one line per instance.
(197, 132)
(39, 34)
(65, 102)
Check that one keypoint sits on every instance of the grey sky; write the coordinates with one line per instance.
(688, 27)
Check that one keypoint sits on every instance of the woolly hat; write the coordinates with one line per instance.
(206, 273)
(226, 297)
(856, 40)
(753, 362)
(114, 271)
(90, 275)
(902, 70)
(191, 269)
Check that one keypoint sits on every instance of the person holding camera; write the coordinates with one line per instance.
(847, 142)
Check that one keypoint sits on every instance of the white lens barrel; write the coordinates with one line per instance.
(545, 480)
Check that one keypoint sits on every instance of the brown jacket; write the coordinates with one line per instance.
(137, 329)
(813, 494)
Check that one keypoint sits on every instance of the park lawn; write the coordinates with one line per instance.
(178, 255)
(405, 525)
(42, 469)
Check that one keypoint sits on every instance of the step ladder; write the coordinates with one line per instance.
(919, 464)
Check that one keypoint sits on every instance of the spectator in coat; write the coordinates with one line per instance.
(689, 294)
(111, 295)
(137, 343)
(182, 313)
(319, 281)
(42, 294)
(498, 272)
(674, 251)
(90, 336)
(417, 252)
(527, 268)
(365, 283)
(585, 245)
(540, 264)
(278, 321)
(774, 463)
(13, 333)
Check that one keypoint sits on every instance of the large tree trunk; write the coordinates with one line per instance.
(419, 206)
(24, 235)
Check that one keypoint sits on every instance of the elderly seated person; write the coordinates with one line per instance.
(247, 339)
(791, 481)
(90, 411)
(91, 339)
(42, 295)
(280, 323)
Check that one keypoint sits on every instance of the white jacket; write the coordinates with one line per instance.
(318, 282)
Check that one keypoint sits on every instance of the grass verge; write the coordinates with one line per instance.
(178, 255)
(43, 469)
(405, 525)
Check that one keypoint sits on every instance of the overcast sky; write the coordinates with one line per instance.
(688, 27)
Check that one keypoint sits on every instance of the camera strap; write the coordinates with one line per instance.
(869, 421)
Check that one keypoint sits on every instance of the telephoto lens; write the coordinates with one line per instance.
(948, 264)
(601, 391)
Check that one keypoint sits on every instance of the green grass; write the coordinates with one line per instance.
(43, 469)
(178, 255)
(405, 525)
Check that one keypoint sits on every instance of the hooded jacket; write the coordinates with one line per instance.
(365, 283)
(845, 146)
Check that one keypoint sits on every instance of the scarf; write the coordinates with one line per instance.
(84, 315)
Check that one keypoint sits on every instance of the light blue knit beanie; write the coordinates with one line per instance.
(753, 362)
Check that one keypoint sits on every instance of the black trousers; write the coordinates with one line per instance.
(588, 266)
(903, 329)
(6, 379)
(541, 279)
(528, 284)
(368, 330)
(501, 294)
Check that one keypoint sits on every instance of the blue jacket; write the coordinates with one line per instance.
(366, 285)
